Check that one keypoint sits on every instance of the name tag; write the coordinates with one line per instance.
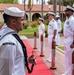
(8, 43)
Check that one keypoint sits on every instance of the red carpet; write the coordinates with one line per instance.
(40, 68)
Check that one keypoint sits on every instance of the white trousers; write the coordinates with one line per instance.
(68, 56)
(39, 43)
(50, 46)
(58, 39)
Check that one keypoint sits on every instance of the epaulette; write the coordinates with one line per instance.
(53, 20)
(8, 43)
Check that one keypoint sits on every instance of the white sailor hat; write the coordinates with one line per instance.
(41, 19)
(51, 13)
(57, 16)
(14, 11)
(69, 8)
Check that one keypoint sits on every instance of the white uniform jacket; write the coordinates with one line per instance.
(58, 30)
(69, 27)
(68, 34)
(58, 25)
(41, 28)
(11, 54)
(51, 27)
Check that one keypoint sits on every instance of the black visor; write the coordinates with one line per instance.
(68, 10)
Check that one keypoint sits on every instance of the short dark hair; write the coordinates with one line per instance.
(6, 17)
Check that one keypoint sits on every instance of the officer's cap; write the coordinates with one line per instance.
(41, 19)
(14, 11)
(57, 16)
(51, 13)
(68, 8)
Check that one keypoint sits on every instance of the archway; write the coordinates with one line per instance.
(26, 17)
(35, 16)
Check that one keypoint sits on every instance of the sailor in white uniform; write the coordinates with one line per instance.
(41, 30)
(68, 34)
(58, 30)
(52, 30)
(11, 53)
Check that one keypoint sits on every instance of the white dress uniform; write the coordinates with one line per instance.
(11, 54)
(68, 34)
(58, 30)
(41, 29)
(51, 27)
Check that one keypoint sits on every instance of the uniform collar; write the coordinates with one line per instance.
(5, 30)
(70, 17)
(53, 19)
(41, 23)
(58, 20)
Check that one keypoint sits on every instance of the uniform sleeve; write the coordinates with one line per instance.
(8, 54)
(54, 25)
(43, 26)
(60, 26)
(72, 25)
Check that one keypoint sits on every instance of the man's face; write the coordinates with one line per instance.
(68, 12)
(57, 18)
(50, 17)
(40, 21)
(19, 22)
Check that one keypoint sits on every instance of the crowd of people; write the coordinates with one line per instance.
(54, 28)
(13, 56)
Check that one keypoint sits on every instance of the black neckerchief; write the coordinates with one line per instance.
(24, 52)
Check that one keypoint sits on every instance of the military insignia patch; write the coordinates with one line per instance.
(67, 22)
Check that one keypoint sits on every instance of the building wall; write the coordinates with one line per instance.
(33, 1)
(32, 13)
(1, 16)
(27, 13)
